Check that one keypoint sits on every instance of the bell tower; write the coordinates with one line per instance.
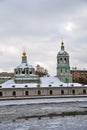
(63, 66)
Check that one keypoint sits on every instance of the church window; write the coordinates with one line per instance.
(1, 93)
(16, 72)
(26, 86)
(61, 60)
(26, 71)
(66, 70)
(58, 61)
(51, 92)
(38, 85)
(30, 72)
(61, 71)
(62, 92)
(73, 91)
(26, 93)
(39, 92)
(84, 91)
(13, 86)
(14, 93)
(23, 71)
(65, 60)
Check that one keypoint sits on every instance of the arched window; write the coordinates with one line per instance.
(84, 91)
(62, 92)
(61, 60)
(73, 91)
(61, 70)
(14, 93)
(51, 92)
(58, 61)
(26, 93)
(30, 72)
(39, 92)
(65, 60)
(1, 94)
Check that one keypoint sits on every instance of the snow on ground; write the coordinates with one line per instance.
(41, 101)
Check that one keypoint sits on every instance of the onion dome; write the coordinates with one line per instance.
(62, 52)
(24, 53)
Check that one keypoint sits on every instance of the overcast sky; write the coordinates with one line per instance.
(38, 26)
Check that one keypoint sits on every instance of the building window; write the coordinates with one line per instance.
(65, 61)
(73, 91)
(62, 92)
(14, 93)
(51, 92)
(13, 86)
(26, 86)
(1, 94)
(58, 61)
(39, 92)
(30, 72)
(61, 60)
(84, 91)
(23, 71)
(61, 71)
(26, 71)
(38, 85)
(26, 93)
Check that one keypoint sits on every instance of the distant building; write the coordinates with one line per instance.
(63, 66)
(40, 71)
(4, 76)
(79, 75)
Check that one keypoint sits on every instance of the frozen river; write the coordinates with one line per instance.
(55, 123)
(44, 114)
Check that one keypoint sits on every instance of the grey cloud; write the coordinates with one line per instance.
(38, 26)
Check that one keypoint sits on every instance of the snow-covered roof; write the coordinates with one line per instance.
(24, 65)
(45, 82)
(63, 53)
(78, 69)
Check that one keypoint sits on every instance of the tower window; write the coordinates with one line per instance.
(23, 72)
(65, 61)
(26, 71)
(61, 71)
(61, 60)
(58, 61)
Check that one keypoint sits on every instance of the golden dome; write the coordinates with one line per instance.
(24, 53)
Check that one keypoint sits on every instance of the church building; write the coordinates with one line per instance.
(63, 66)
(26, 83)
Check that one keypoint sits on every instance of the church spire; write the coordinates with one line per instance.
(62, 46)
(24, 57)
